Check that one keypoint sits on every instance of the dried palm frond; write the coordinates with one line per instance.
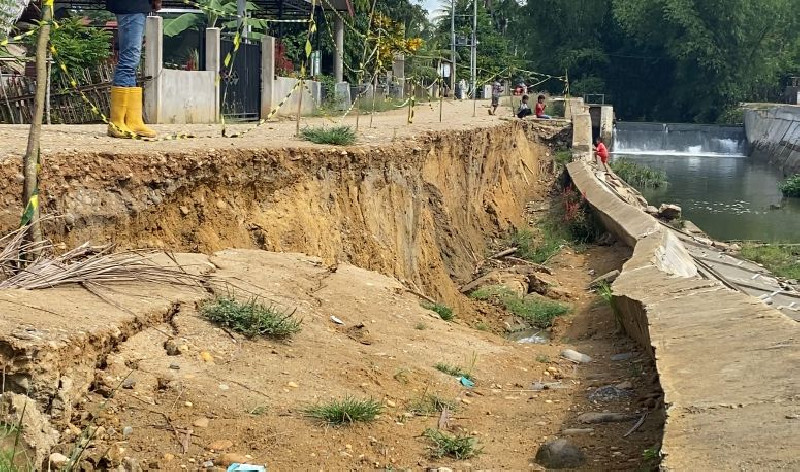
(32, 266)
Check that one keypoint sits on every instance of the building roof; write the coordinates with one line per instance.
(286, 9)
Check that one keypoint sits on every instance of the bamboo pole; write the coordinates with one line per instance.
(30, 193)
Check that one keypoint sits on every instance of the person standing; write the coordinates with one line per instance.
(602, 152)
(126, 97)
(497, 89)
(463, 86)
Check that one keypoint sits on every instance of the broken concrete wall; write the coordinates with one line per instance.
(774, 135)
(716, 349)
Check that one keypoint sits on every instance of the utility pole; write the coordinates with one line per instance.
(475, 47)
(453, 45)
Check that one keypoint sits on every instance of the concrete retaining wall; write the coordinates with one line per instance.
(728, 364)
(284, 85)
(774, 134)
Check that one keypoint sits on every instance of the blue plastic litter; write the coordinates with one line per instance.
(236, 467)
(466, 382)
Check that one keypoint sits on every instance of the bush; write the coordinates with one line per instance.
(638, 175)
(456, 446)
(444, 312)
(791, 186)
(337, 136)
(250, 318)
(346, 411)
(535, 310)
(79, 47)
(454, 370)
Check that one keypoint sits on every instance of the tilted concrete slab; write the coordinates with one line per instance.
(729, 365)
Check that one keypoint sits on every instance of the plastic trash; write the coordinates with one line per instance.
(337, 320)
(236, 467)
(466, 382)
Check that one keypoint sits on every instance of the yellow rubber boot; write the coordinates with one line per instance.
(133, 114)
(119, 105)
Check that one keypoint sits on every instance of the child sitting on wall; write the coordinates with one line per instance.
(524, 108)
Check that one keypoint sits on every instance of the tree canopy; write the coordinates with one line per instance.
(670, 60)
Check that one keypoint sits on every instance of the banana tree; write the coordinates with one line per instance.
(216, 13)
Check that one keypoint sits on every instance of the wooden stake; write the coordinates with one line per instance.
(299, 109)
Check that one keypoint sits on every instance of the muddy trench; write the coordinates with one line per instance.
(427, 215)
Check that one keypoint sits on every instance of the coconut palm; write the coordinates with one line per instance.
(10, 11)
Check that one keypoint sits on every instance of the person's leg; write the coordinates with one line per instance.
(131, 32)
(130, 51)
(130, 56)
(545, 117)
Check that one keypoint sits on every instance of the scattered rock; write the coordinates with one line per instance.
(577, 431)
(391, 403)
(560, 293)
(172, 348)
(651, 210)
(225, 460)
(623, 356)
(605, 278)
(208, 464)
(184, 211)
(207, 357)
(129, 383)
(37, 434)
(608, 393)
(734, 247)
(444, 469)
(221, 445)
(604, 417)
(224, 387)
(626, 385)
(188, 404)
(292, 385)
(58, 460)
(221, 204)
(547, 386)
(131, 465)
(201, 423)
(575, 356)
(560, 454)
(127, 431)
(669, 212)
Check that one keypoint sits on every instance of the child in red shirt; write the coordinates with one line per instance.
(602, 153)
(540, 106)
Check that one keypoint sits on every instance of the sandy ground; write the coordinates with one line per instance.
(379, 129)
(227, 398)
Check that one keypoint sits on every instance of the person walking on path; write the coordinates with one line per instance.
(497, 89)
(602, 152)
(126, 98)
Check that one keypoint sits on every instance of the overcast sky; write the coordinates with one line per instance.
(431, 5)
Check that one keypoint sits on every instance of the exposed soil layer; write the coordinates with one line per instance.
(388, 224)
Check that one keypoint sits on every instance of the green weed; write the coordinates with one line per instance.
(563, 157)
(250, 318)
(544, 359)
(346, 411)
(258, 411)
(481, 326)
(429, 404)
(444, 312)
(402, 375)
(791, 186)
(337, 135)
(535, 310)
(783, 261)
(528, 248)
(638, 175)
(605, 292)
(456, 446)
(421, 326)
(454, 370)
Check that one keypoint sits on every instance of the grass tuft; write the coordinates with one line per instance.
(783, 261)
(347, 410)
(429, 404)
(250, 318)
(638, 175)
(454, 370)
(530, 249)
(535, 310)
(456, 446)
(543, 358)
(605, 292)
(444, 311)
(337, 135)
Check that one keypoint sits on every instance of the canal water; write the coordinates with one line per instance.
(727, 194)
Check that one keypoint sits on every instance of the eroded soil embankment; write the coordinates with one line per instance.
(420, 211)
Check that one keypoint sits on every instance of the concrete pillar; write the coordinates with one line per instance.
(607, 124)
(338, 65)
(267, 75)
(213, 61)
(573, 106)
(399, 73)
(582, 136)
(153, 67)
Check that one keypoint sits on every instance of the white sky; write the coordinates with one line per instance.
(430, 5)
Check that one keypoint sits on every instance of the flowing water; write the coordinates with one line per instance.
(719, 188)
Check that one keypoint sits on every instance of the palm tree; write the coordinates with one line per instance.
(10, 11)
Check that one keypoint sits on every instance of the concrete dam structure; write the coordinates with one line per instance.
(774, 134)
